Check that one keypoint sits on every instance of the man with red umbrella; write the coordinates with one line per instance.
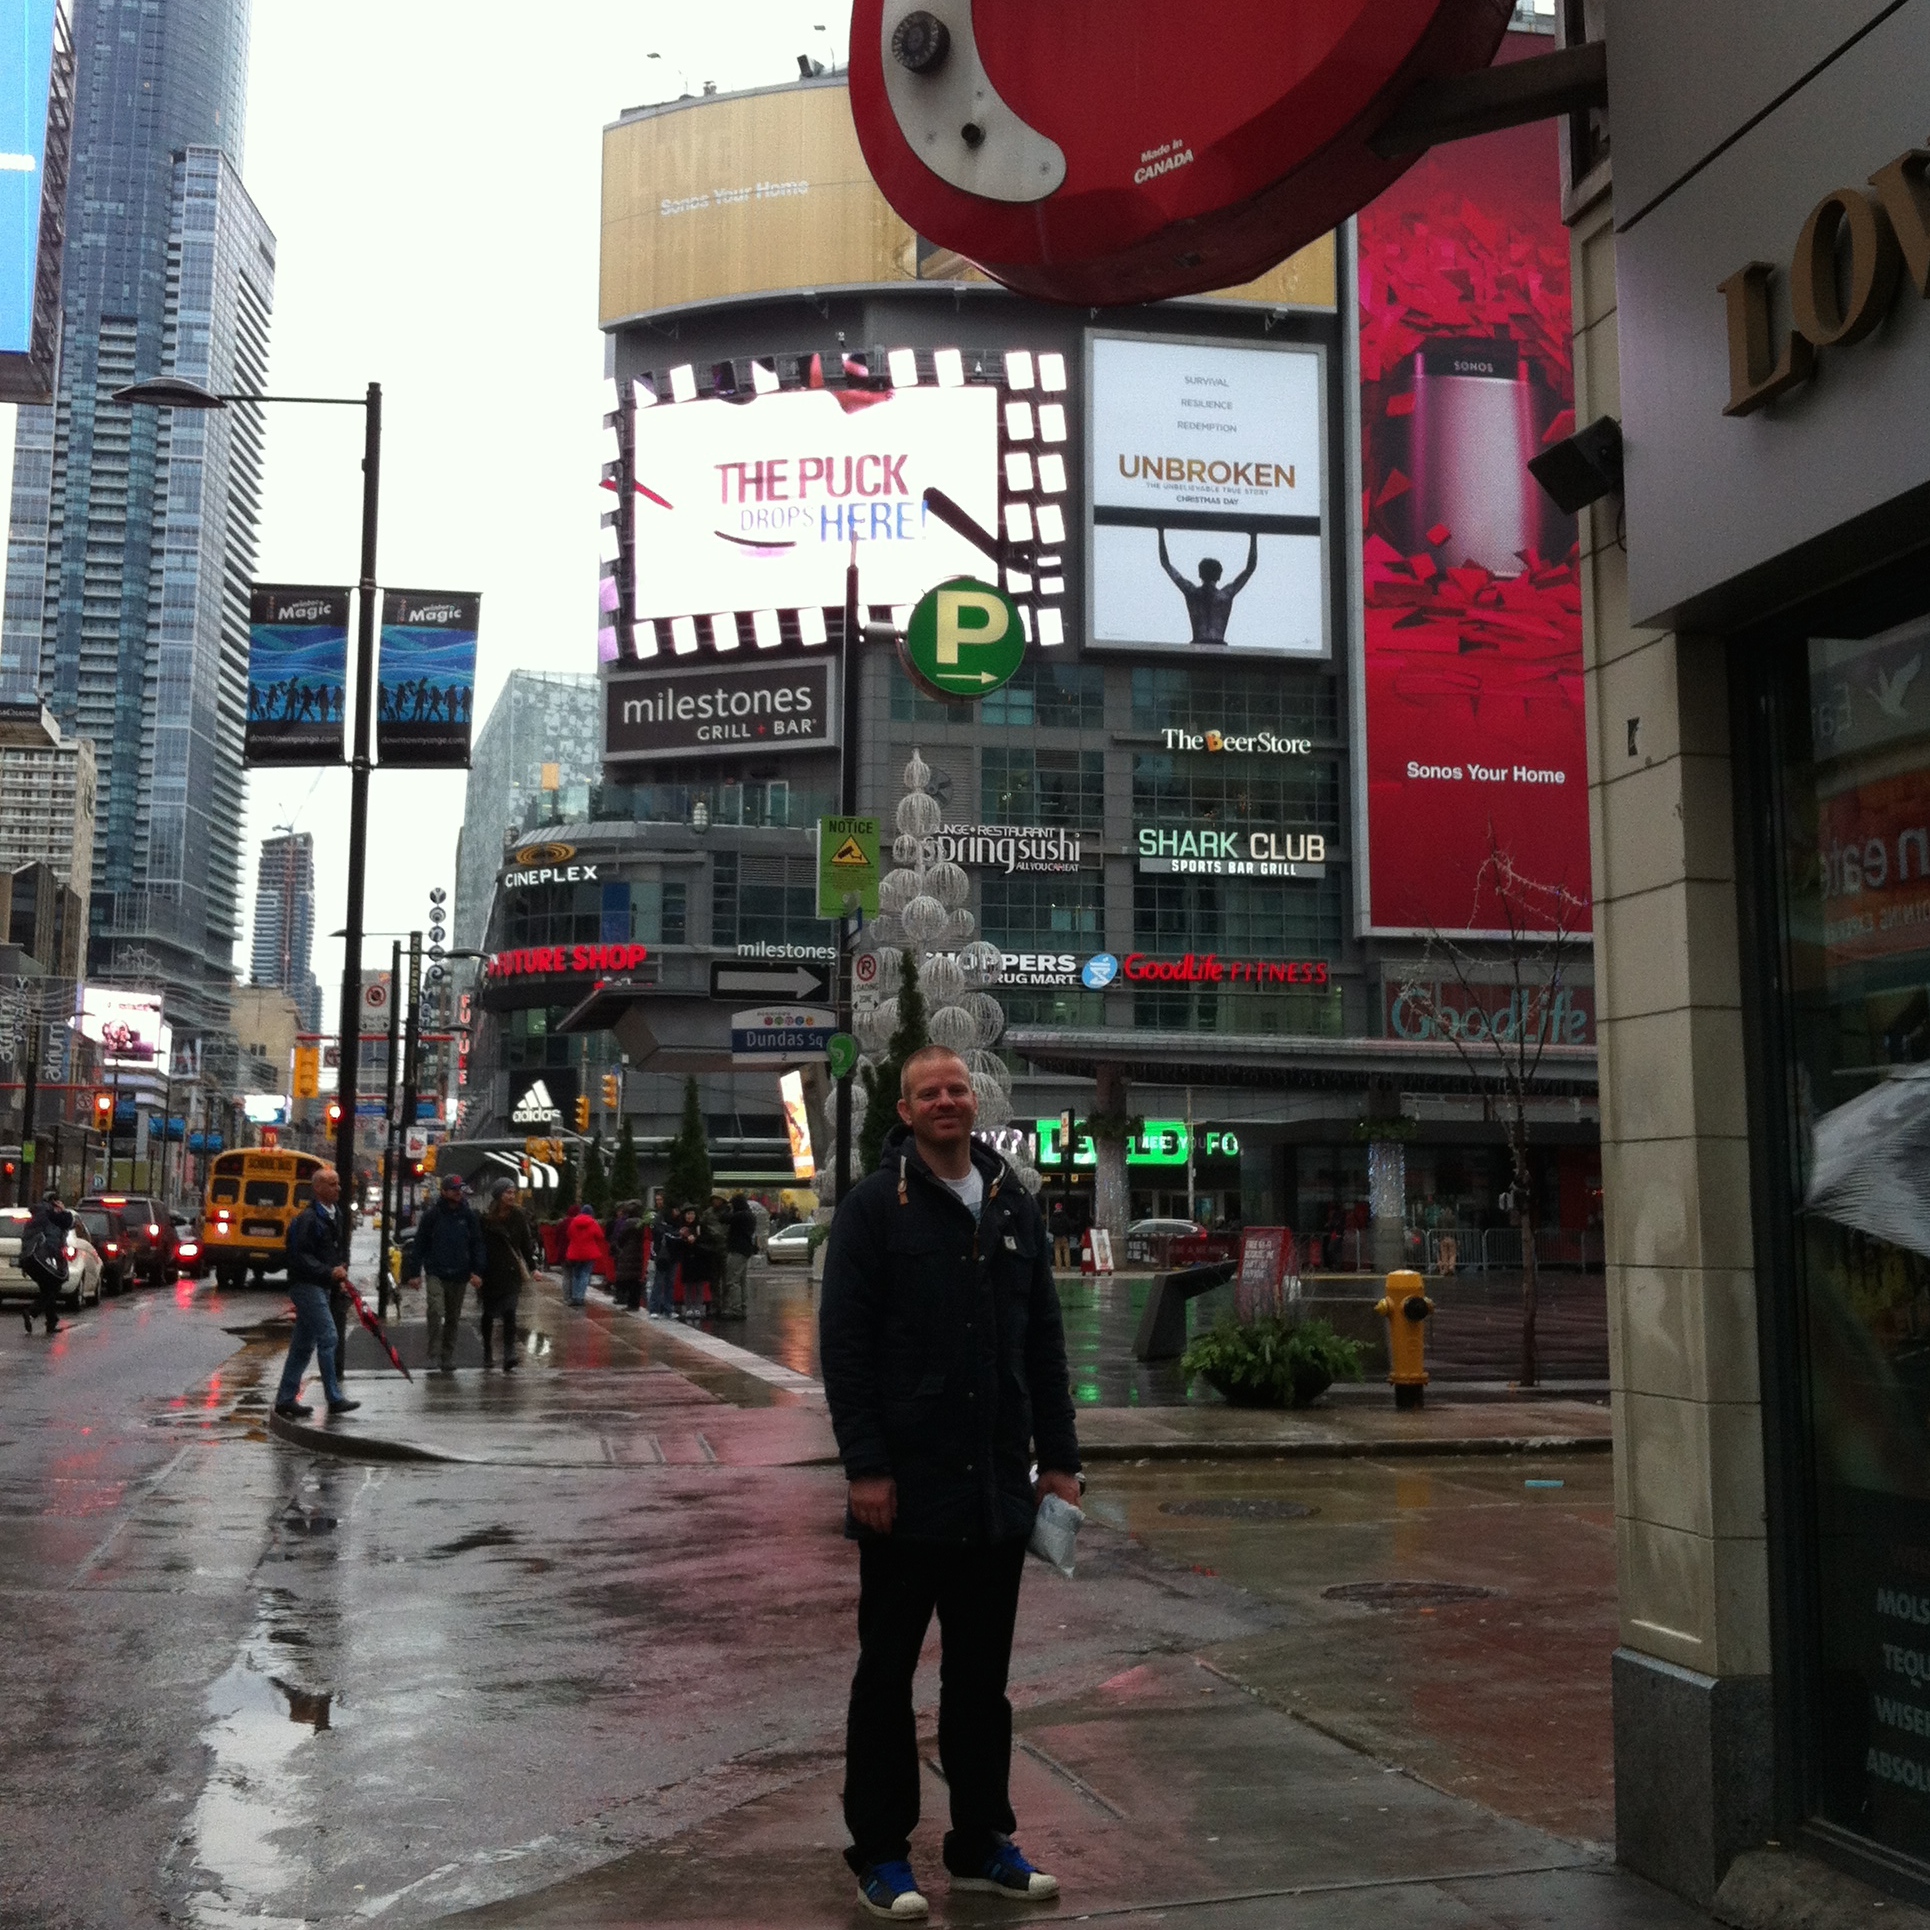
(314, 1266)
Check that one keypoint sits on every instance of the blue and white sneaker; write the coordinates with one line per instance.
(1006, 1873)
(889, 1890)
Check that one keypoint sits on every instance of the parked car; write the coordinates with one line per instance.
(103, 1230)
(83, 1262)
(144, 1236)
(190, 1255)
(788, 1244)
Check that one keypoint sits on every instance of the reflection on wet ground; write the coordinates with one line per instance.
(1475, 1334)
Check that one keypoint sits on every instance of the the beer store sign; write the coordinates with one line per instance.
(1207, 852)
(1011, 847)
(1258, 743)
(748, 710)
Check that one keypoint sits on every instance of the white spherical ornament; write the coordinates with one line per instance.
(917, 774)
(944, 981)
(885, 934)
(925, 920)
(896, 889)
(961, 928)
(1029, 1177)
(952, 1027)
(948, 883)
(891, 968)
(982, 962)
(919, 814)
(987, 1012)
(994, 1108)
(991, 1066)
(907, 849)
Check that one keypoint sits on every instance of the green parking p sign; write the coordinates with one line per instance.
(964, 641)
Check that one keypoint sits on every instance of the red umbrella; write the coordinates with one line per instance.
(374, 1326)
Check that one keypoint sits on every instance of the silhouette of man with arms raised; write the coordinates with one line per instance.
(1207, 603)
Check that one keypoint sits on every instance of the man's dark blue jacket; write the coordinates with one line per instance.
(314, 1247)
(943, 1353)
(449, 1242)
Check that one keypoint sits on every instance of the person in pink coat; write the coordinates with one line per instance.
(584, 1249)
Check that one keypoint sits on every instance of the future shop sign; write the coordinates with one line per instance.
(701, 711)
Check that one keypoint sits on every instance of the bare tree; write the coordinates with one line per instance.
(1543, 928)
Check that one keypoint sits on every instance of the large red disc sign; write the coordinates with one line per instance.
(1111, 151)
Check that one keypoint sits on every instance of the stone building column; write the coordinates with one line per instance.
(1691, 1677)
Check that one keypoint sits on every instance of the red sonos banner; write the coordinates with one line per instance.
(1473, 674)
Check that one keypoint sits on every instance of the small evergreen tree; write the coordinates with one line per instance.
(881, 1081)
(566, 1195)
(623, 1167)
(596, 1184)
(687, 1180)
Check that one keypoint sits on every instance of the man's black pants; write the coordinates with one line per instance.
(976, 1593)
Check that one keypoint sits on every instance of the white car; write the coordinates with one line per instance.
(789, 1243)
(83, 1263)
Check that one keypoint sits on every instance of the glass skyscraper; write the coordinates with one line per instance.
(132, 536)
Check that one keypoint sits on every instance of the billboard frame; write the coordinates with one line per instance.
(31, 377)
(1151, 653)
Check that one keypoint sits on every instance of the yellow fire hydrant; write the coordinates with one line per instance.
(1405, 1307)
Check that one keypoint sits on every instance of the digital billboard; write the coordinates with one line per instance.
(32, 182)
(755, 505)
(1472, 680)
(126, 1026)
(1206, 498)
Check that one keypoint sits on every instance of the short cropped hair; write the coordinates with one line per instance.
(918, 1058)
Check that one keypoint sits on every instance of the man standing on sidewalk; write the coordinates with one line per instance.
(944, 1368)
(314, 1267)
(450, 1255)
(740, 1242)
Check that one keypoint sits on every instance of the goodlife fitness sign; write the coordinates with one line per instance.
(1209, 968)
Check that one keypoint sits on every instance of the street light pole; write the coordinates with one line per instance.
(358, 818)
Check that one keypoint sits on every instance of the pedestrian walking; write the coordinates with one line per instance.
(1061, 1235)
(740, 1242)
(629, 1254)
(43, 1258)
(449, 1255)
(944, 1367)
(314, 1268)
(510, 1257)
(666, 1255)
(584, 1249)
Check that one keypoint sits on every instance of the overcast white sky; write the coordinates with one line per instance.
(431, 174)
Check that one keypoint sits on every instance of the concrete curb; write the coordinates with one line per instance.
(355, 1447)
(1342, 1450)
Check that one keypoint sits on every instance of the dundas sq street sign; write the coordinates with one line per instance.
(963, 642)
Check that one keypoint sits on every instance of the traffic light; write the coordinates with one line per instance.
(582, 1112)
(103, 1112)
(334, 1114)
(612, 1093)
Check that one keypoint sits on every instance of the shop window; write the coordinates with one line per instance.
(1309, 1014)
(1060, 788)
(1293, 701)
(1043, 911)
(1044, 1005)
(659, 912)
(1050, 696)
(1250, 917)
(1264, 792)
(552, 915)
(910, 705)
(758, 900)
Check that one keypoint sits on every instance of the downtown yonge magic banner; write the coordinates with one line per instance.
(426, 690)
(1473, 674)
(297, 674)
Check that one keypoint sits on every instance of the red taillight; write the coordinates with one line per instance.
(221, 1213)
(153, 1231)
(113, 1246)
(189, 1249)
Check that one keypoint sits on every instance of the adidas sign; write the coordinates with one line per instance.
(536, 1107)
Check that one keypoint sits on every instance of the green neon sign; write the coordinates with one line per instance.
(1159, 1142)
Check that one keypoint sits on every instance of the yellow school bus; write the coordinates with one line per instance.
(252, 1197)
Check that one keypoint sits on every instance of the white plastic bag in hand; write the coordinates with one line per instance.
(1055, 1531)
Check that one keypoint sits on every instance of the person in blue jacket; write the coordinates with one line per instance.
(314, 1266)
(944, 1362)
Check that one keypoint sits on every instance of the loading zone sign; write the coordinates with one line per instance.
(774, 1035)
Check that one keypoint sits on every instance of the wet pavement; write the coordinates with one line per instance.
(596, 1675)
